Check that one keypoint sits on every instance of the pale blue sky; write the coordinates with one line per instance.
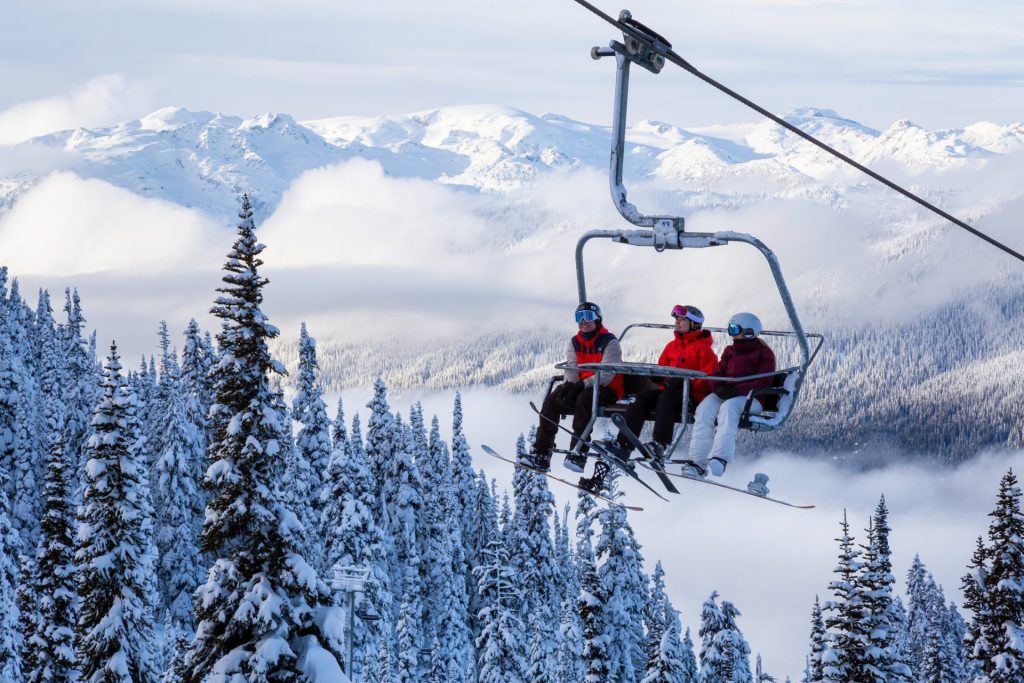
(939, 63)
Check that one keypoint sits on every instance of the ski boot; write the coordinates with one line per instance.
(656, 450)
(616, 450)
(595, 483)
(576, 462)
(759, 487)
(534, 460)
(692, 470)
(716, 467)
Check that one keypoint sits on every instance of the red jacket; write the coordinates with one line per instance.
(593, 351)
(746, 357)
(691, 350)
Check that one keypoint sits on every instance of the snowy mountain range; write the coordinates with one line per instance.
(205, 161)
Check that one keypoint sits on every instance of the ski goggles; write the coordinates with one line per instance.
(735, 330)
(586, 316)
(688, 313)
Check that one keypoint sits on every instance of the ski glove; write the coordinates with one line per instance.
(726, 391)
(567, 403)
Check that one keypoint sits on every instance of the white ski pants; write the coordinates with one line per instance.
(708, 442)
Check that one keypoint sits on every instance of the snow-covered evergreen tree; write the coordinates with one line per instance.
(114, 636)
(879, 622)
(920, 588)
(724, 653)
(500, 644)
(976, 637)
(532, 556)
(179, 511)
(994, 590)
(262, 612)
(819, 642)
(445, 564)
(672, 661)
(29, 619)
(196, 361)
(10, 544)
(592, 597)
(843, 659)
(51, 642)
(623, 588)
(78, 384)
(570, 663)
(312, 444)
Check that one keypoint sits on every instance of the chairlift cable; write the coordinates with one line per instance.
(671, 56)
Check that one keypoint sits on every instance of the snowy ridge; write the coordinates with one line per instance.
(203, 160)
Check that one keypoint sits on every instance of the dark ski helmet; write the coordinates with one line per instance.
(691, 313)
(588, 312)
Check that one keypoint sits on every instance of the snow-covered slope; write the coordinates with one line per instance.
(204, 160)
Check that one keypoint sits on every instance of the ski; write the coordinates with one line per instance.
(603, 454)
(731, 488)
(619, 421)
(490, 451)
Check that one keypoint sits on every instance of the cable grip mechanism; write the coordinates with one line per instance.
(640, 45)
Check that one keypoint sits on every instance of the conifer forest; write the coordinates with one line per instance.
(180, 521)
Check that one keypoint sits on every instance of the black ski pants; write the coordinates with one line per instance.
(667, 405)
(552, 410)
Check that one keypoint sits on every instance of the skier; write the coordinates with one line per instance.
(712, 448)
(690, 348)
(592, 344)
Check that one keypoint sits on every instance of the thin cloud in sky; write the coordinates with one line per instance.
(873, 61)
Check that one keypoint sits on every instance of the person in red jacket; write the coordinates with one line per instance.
(690, 348)
(592, 344)
(711, 447)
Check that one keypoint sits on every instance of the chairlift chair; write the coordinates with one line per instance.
(664, 233)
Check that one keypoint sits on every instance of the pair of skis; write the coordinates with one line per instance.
(653, 464)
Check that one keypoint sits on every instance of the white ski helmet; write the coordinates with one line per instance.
(746, 324)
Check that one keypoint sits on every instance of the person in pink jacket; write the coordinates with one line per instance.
(711, 447)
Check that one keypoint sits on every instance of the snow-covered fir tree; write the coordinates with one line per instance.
(623, 588)
(445, 563)
(353, 537)
(114, 635)
(51, 642)
(312, 443)
(591, 602)
(570, 663)
(669, 662)
(994, 590)
(404, 508)
(815, 670)
(179, 510)
(79, 394)
(10, 544)
(196, 360)
(920, 587)
(255, 537)
(973, 586)
(724, 653)
(28, 618)
(532, 556)
(843, 659)
(879, 621)
(500, 644)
